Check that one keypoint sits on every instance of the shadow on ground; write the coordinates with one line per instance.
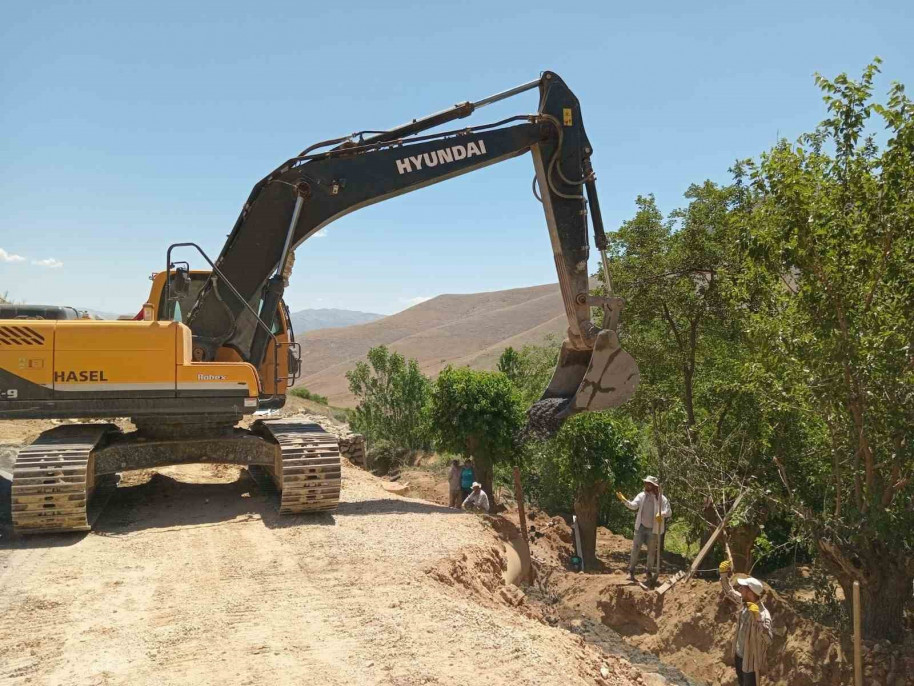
(163, 502)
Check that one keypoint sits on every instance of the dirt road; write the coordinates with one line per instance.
(190, 577)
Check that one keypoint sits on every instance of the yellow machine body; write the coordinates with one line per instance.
(90, 368)
(275, 370)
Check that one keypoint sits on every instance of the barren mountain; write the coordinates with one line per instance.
(469, 329)
(328, 318)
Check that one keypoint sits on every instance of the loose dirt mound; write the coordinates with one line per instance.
(479, 570)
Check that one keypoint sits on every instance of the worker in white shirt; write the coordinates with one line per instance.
(477, 500)
(649, 522)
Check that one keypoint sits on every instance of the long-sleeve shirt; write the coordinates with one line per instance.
(753, 635)
(453, 477)
(646, 505)
(477, 500)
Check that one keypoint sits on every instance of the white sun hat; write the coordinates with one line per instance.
(651, 480)
(754, 584)
(476, 484)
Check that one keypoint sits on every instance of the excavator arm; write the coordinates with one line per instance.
(324, 183)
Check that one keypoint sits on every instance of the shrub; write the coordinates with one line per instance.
(302, 392)
(393, 395)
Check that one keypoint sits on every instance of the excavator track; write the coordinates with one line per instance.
(308, 472)
(53, 479)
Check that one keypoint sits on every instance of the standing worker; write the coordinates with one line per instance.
(453, 483)
(753, 627)
(467, 477)
(649, 522)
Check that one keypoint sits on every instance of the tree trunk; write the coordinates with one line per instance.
(485, 476)
(742, 540)
(483, 468)
(885, 587)
(587, 509)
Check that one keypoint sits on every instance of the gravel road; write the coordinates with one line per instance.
(190, 577)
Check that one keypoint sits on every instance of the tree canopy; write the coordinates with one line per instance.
(476, 414)
(828, 226)
(393, 397)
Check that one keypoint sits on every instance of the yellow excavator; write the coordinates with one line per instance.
(213, 346)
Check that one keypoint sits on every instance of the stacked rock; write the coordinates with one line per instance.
(352, 447)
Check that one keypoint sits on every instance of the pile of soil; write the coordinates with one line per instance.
(479, 570)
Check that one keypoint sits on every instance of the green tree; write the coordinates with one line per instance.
(829, 225)
(684, 322)
(393, 395)
(593, 452)
(476, 414)
(530, 368)
(509, 363)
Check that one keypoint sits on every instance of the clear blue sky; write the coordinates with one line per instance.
(126, 126)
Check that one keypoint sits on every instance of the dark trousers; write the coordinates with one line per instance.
(743, 678)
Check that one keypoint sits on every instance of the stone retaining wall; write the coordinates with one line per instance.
(353, 449)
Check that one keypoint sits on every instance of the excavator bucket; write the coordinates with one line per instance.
(610, 379)
(585, 381)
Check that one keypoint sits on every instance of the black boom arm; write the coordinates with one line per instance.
(313, 189)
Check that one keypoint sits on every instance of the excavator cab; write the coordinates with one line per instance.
(280, 366)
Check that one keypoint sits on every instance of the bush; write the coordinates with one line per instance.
(386, 457)
(302, 392)
(530, 368)
(393, 396)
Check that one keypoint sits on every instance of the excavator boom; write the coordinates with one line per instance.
(311, 190)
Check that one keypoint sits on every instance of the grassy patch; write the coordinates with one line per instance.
(305, 394)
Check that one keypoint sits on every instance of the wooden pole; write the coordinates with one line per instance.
(659, 527)
(858, 658)
(710, 542)
(519, 497)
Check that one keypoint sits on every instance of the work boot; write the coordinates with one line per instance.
(631, 577)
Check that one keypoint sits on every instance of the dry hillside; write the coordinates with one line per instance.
(469, 329)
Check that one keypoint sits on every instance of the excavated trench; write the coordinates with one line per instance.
(496, 575)
(685, 634)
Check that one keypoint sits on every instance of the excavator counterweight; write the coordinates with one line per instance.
(210, 347)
